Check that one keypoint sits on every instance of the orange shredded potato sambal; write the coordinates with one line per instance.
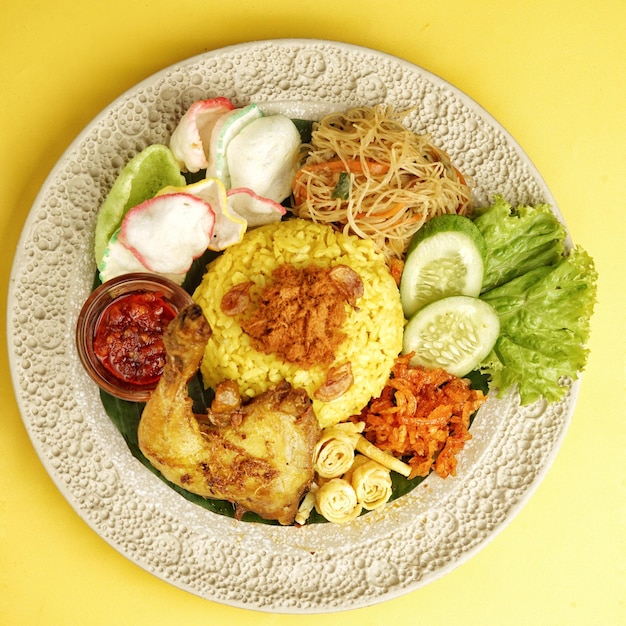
(422, 416)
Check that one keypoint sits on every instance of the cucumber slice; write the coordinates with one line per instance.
(454, 333)
(445, 258)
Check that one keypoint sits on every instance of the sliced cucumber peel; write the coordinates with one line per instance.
(454, 333)
(445, 258)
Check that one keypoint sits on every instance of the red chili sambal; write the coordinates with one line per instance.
(129, 337)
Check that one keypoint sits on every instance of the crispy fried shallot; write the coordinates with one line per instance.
(338, 380)
(226, 407)
(237, 300)
(348, 282)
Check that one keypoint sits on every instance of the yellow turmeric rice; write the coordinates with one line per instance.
(373, 328)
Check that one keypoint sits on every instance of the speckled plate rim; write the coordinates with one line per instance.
(316, 569)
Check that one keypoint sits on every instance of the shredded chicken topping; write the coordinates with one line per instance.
(300, 313)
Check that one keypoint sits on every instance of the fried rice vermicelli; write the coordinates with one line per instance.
(366, 173)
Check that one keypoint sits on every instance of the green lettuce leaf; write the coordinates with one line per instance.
(518, 240)
(544, 317)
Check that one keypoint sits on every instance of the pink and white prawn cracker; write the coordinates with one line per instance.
(168, 232)
(191, 139)
(263, 156)
(118, 259)
(229, 228)
(254, 209)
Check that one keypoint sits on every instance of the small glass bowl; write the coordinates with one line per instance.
(91, 313)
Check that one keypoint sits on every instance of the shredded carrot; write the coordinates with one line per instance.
(337, 165)
(422, 416)
(460, 176)
(354, 166)
(390, 212)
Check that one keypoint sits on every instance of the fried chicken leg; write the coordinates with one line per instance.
(262, 460)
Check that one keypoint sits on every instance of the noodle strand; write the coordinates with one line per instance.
(398, 179)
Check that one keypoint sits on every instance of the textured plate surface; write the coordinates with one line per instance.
(320, 568)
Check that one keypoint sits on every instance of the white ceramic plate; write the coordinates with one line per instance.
(319, 568)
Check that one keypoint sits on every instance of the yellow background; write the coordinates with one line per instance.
(553, 73)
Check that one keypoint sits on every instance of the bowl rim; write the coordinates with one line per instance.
(91, 312)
